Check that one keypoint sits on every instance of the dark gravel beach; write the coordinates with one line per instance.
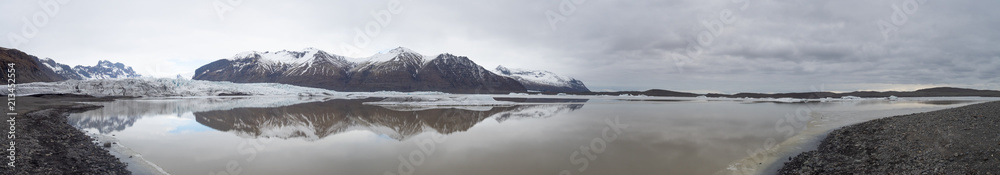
(46, 144)
(964, 140)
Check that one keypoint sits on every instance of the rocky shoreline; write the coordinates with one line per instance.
(46, 144)
(963, 140)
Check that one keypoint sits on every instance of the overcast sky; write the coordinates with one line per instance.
(688, 45)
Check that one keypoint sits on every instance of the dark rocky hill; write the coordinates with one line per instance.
(27, 68)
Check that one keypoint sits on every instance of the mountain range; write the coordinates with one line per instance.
(29, 68)
(399, 69)
(103, 70)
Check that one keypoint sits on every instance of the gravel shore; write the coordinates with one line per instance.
(46, 144)
(963, 140)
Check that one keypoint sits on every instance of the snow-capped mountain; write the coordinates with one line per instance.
(63, 70)
(310, 67)
(103, 70)
(399, 69)
(396, 69)
(544, 81)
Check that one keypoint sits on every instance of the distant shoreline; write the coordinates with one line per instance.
(929, 92)
(959, 140)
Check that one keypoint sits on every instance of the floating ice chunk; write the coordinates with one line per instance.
(789, 100)
(850, 98)
(892, 98)
(518, 94)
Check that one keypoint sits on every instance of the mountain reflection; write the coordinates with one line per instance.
(316, 120)
(121, 114)
(309, 119)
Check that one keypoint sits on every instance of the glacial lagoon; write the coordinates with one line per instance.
(554, 135)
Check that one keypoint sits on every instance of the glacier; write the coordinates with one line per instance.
(540, 80)
(164, 87)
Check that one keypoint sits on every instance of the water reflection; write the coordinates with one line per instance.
(122, 114)
(302, 119)
(296, 136)
(313, 121)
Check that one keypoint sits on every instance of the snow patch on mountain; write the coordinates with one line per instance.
(284, 56)
(48, 62)
(308, 56)
(540, 80)
(289, 62)
(536, 76)
(390, 55)
(63, 70)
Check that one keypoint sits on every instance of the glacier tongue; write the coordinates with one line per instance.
(541, 80)
(537, 76)
(163, 87)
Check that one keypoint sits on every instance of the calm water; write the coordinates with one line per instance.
(597, 136)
